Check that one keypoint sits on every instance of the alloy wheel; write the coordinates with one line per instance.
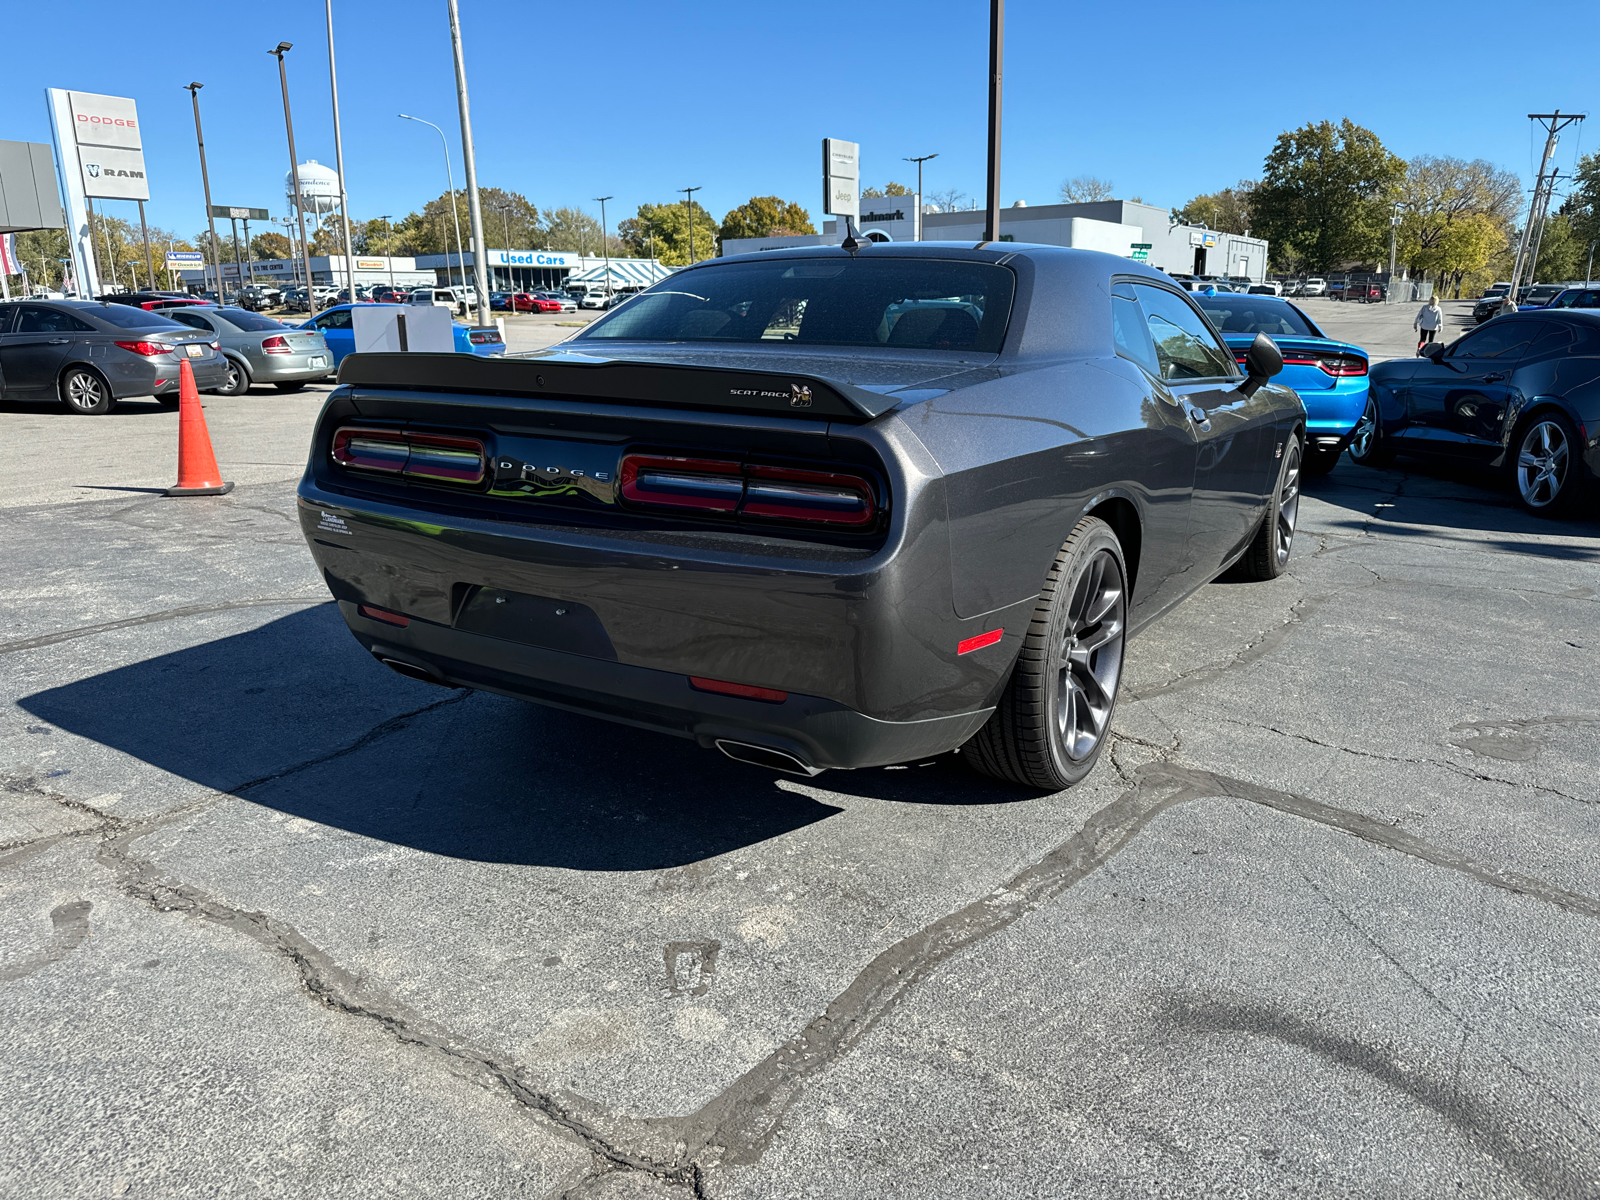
(1542, 464)
(1090, 659)
(232, 386)
(1289, 500)
(84, 391)
(1365, 430)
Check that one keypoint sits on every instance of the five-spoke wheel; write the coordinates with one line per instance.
(1546, 469)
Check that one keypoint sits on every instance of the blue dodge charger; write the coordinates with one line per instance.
(1331, 376)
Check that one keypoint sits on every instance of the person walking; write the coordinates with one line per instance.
(1508, 304)
(1429, 322)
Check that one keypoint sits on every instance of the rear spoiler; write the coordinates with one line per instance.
(621, 382)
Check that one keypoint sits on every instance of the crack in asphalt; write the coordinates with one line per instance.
(170, 614)
(1253, 651)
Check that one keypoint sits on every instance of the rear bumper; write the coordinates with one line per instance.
(1334, 412)
(819, 732)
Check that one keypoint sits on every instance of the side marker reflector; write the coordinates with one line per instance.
(745, 690)
(978, 641)
(378, 614)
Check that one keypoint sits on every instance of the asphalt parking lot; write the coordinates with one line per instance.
(277, 921)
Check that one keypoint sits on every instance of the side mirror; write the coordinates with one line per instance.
(1262, 361)
(1433, 351)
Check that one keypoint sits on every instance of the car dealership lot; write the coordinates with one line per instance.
(280, 921)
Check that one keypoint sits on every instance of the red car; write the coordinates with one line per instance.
(525, 302)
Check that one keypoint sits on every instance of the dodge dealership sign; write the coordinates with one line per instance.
(110, 149)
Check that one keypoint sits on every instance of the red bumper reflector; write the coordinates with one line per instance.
(978, 641)
(770, 695)
(378, 614)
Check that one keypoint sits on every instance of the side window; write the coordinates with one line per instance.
(1555, 339)
(1185, 346)
(48, 320)
(334, 320)
(1129, 328)
(184, 318)
(1499, 339)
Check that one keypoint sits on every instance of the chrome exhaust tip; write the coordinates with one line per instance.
(412, 670)
(768, 757)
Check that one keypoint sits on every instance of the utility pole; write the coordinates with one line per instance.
(338, 157)
(238, 261)
(251, 258)
(917, 235)
(480, 248)
(294, 173)
(997, 39)
(1538, 238)
(1588, 273)
(688, 201)
(205, 180)
(1394, 228)
(605, 240)
(1555, 122)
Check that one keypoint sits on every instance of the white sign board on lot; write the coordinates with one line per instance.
(841, 177)
(110, 147)
(414, 327)
(185, 260)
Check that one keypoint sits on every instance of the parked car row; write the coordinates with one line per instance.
(556, 302)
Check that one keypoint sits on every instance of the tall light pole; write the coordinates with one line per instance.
(997, 40)
(688, 201)
(205, 180)
(480, 249)
(1588, 273)
(450, 176)
(1394, 228)
(919, 162)
(338, 157)
(388, 247)
(294, 173)
(605, 240)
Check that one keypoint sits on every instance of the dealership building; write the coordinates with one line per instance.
(509, 271)
(1128, 228)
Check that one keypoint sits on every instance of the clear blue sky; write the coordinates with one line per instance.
(575, 100)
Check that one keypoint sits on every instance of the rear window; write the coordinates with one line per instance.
(1249, 314)
(241, 318)
(127, 317)
(913, 304)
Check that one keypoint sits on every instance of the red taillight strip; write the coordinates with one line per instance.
(744, 690)
(705, 484)
(978, 641)
(795, 495)
(1335, 364)
(748, 489)
(430, 456)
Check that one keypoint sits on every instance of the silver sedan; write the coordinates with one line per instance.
(260, 349)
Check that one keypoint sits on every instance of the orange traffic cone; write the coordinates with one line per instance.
(198, 474)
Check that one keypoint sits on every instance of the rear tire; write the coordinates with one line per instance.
(84, 392)
(1054, 715)
(237, 383)
(1369, 446)
(1548, 469)
(1268, 555)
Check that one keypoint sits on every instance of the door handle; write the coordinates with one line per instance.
(1497, 377)
(59, 342)
(1201, 420)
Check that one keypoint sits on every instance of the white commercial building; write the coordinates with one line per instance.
(371, 270)
(1138, 231)
(539, 270)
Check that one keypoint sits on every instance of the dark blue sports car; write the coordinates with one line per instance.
(1331, 376)
(1520, 393)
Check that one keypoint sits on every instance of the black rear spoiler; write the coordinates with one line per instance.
(621, 382)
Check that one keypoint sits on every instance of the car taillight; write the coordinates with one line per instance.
(1338, 365)
(483, 337)
(216, 345)
(149, 349)
(748, 489)
(277, 344)
(433, 457)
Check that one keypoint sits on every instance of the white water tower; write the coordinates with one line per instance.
(319, 188)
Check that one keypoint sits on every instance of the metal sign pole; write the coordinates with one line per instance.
(997, 36)
(149, 260)
(480, 250)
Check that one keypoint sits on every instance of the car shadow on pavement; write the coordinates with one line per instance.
(294, 716)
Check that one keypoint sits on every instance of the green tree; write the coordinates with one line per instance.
(766, 216)
(666, 227)
(1439, 195)
(1582, 206)
(572, 229)
(510, 220)
(1561, 255)
(1325, 196)
(1227, 211)
(39, 252)
(269, 247)
(888, 189)
(1086, 189)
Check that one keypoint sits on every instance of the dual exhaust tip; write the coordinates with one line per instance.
(768, 757)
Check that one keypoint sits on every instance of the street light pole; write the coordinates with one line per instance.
(480, 248)
(605, 240)
(997, 40)
(205, 180)
(919, 162)
(451, 178)
(688, 201)
(1588, 274)
(388, 248)
(294, 173)
(338, 157)
(149, 259)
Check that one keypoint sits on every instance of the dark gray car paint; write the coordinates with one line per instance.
(988, 463)
(32, 364)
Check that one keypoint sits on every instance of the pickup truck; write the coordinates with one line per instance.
(1366, 293)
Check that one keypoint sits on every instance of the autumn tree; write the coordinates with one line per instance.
(1326, 194)
(1458, 215)
(1582, 206)
(766, 216)
(666, 227)
(949, 200)
(888, 189)
(1086, 189)
(270, 247)
(1227, 211)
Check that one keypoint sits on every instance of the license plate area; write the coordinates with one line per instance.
(194, 350)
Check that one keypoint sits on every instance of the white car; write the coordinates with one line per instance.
(595, 300)
(1314, 286)
(1268, 288)
(457, 300)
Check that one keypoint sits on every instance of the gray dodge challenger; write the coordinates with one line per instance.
(817, 508)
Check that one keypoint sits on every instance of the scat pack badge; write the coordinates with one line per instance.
(799, 396)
